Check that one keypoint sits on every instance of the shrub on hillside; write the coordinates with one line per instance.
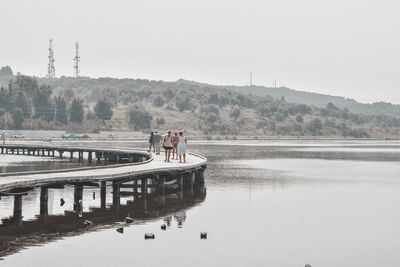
(139, 117)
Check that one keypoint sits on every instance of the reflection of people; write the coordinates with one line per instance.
(3, 137)
(180, 217)
(78, 207)
(182, 142)
(168, 220)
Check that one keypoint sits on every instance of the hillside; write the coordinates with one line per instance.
(211, 109)
(91, 105)
(319, 100)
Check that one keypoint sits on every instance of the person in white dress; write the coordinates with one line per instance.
(182, 150)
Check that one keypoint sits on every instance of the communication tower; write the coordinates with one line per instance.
(51, 70)
(251, 79)
(77, 59)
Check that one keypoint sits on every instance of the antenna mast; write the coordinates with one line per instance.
(77, 59)
(51, 70)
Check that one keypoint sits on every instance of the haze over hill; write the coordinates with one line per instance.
(91, 104)
(316, 99)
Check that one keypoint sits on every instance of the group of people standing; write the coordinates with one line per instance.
(177, 144)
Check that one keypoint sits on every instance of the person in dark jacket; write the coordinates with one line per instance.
(151, 142)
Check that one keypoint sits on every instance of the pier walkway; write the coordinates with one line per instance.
(148, 165)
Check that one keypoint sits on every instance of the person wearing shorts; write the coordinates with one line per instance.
(167, 144)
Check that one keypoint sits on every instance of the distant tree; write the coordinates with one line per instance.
(18, 118)
(324, 112)
(184, 104)
(103, 109)
(331, 106)
(42, 103)
(278, 117)
(211, 118)
(26, 84)
(235, 113)
(6, 71)
(299, 119)
(304, 109)
(22, 102)
(213, 99)
(5, 100)
(61, 110)
(139, 117)
(168, 94)
(158, 101)
(76, 110)
(315, 125)
(68, 94)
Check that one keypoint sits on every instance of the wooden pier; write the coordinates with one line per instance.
(134, 173)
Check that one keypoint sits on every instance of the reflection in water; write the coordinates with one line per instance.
(17, 233)
(266, 206)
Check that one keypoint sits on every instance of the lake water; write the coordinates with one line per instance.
(268, 203)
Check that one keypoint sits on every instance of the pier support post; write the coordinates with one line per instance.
(143, 189)
(199, 177)
(161, 189)
(90, 157)
(103, 191)
(135, 186)
(180, 186)
(44, 197)
(188, 185)
(78, 193)
(17, 214)
(116, 195)
(98, 156)
(61, 153)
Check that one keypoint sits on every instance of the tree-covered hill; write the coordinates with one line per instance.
(87, 104)
(319, 100)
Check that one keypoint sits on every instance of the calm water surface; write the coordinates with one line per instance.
(268, 203)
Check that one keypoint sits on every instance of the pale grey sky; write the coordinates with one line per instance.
(339, 47)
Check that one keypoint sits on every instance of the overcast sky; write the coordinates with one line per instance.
(339, 47)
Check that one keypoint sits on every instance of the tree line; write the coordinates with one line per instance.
(24, 99)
